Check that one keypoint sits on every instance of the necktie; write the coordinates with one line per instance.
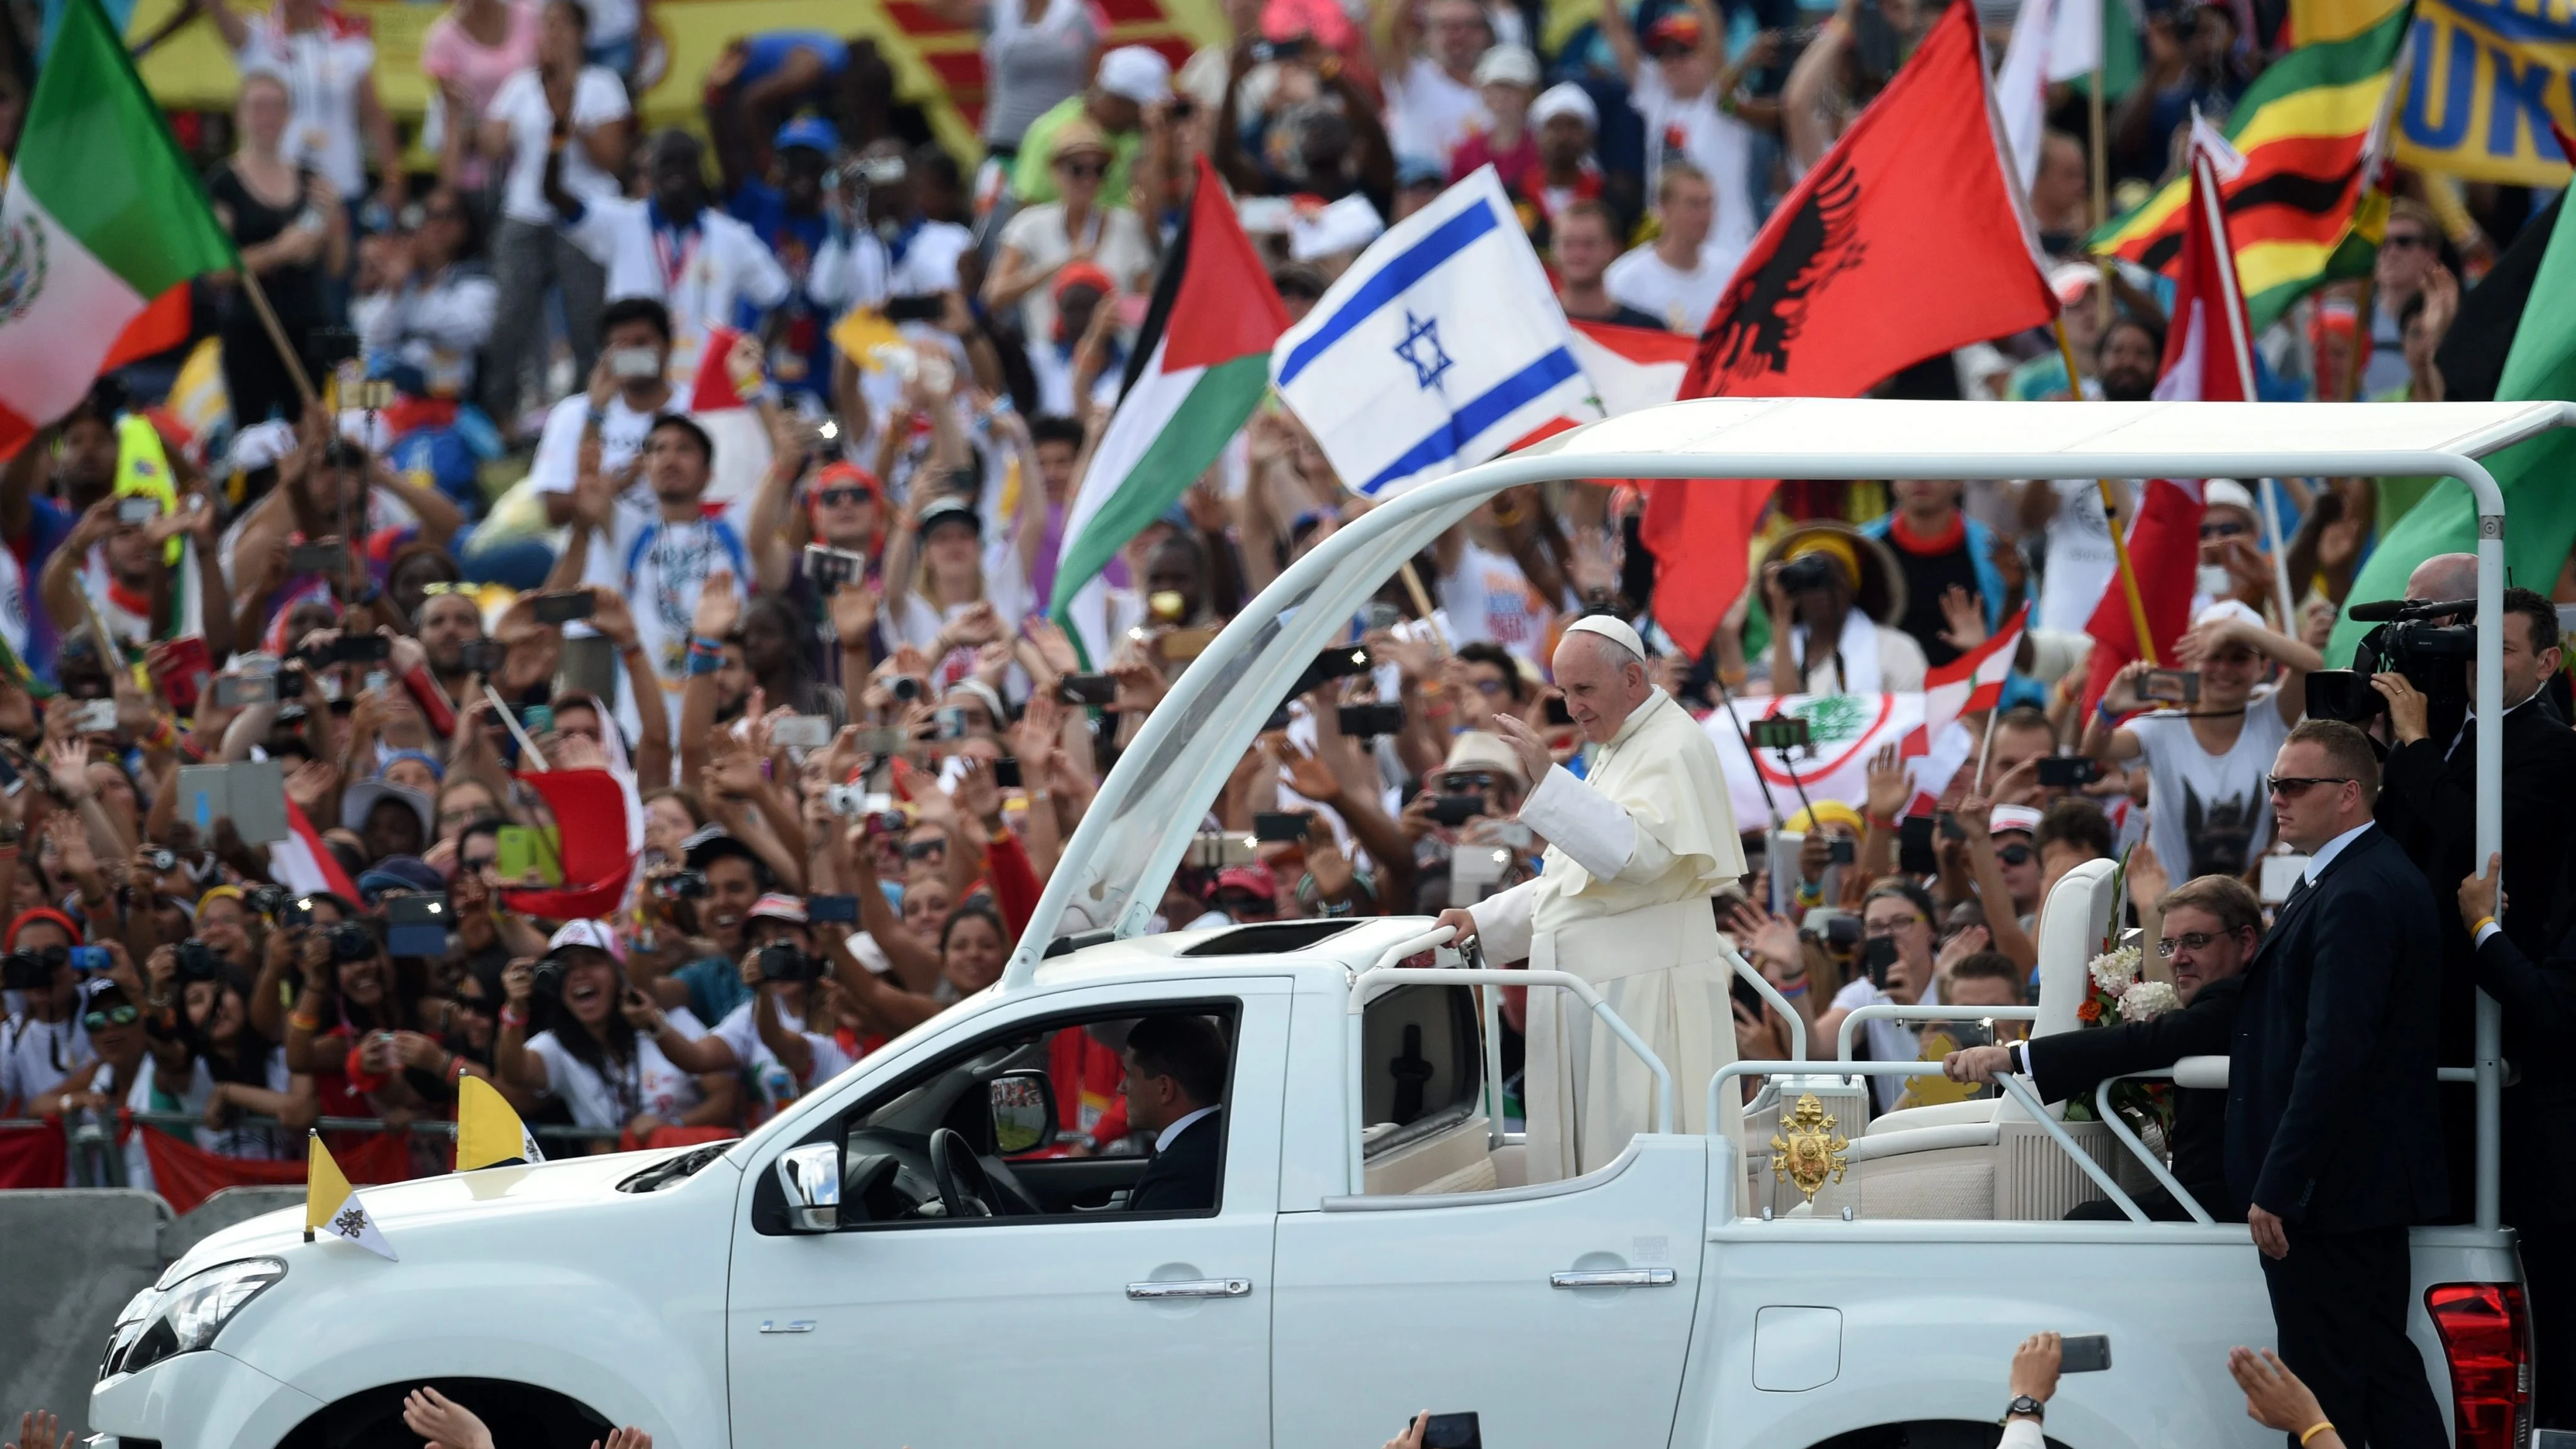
(2296, 891)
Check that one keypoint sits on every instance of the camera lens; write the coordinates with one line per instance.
(1810, 574)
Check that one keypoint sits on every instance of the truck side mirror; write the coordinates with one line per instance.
(810, 1177)
(1023, 1106)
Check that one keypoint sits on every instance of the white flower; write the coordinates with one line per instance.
(2115, 971)
(2148, 1000)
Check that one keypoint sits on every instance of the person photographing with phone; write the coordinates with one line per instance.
(1636, 849)
(1898, 934)
(2208, 735)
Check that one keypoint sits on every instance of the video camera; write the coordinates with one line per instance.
(2417, 640)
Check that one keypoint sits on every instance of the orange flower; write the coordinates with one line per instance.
(2090, 1012)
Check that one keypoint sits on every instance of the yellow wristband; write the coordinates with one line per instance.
(2319, 1427)
(2483, 923)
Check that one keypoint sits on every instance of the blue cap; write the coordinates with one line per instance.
(811, 132)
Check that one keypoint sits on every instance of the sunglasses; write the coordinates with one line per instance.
(479, 863)
(835, 497)
(113, 1016)
(2398, 241)
(1242, 903)
(1082, 170)
(2014, 854)
(1467, 782)
(926, 850)
(2193, 941)
(2298, 784)
(2227, 529)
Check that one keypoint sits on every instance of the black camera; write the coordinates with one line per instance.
(905, 688)
(199, 961)
(350, 941)
(1810, 574)
(786, 961)
(161, 860)
(267, 900)
(482, 656)
(31, 970)
(2418, 640)
(546, 981)
(681, 885)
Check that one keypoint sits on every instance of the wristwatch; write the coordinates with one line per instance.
(2024, 1406)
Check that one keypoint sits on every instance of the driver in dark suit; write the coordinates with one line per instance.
(1175, 1089)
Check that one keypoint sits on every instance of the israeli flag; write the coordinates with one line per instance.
(1440, 347)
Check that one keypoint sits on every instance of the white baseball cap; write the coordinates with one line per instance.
(2013, 817)
(1136, 72)
(1508, 65)
(1565, 99)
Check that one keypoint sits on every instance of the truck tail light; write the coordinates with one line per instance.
(2486, 1339)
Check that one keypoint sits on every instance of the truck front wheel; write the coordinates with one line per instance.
(520, 1416)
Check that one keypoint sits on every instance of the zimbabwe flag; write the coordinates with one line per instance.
(2297, 211)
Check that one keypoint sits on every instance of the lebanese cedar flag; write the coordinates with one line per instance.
(1904, 241)
(2209, 357)
(303, 864)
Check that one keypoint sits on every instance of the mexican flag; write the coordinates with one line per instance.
(1200, 366)
(101, 229)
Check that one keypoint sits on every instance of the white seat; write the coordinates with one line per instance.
(1986, 1158)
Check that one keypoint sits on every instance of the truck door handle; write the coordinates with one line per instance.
(793, 1325)
(1190, 1288)
(1614, 1278)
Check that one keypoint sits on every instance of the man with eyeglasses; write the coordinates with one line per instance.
(2334, 1138)
(2211, 926)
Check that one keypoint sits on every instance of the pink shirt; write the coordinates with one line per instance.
(447, 53)
(1513, 166)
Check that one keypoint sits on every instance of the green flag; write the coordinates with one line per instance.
(2539, 506)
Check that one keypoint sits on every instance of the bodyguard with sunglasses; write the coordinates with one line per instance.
(2333, 1136)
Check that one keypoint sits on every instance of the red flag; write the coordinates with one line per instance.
(600, 823)
(2208, 357)
(1902, 242)
(303, 864)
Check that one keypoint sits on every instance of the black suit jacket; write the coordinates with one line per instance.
(2539, 1003)
(2331, 1118)
(1182, 1178)
(2430, 804)
(2072, 1063)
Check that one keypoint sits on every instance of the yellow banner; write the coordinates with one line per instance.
(2484, 82)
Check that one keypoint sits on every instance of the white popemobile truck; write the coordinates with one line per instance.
(883, 1265)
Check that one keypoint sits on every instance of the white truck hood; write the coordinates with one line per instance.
(489, 1196)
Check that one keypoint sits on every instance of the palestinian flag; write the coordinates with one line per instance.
(2301, 211)
(101, 229)
(1200, 366)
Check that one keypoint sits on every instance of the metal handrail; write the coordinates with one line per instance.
(2014, 1087)
(428, 1127)
(1891, 1011)
(1377, 981)
(1770, 994)
(2138, 1147)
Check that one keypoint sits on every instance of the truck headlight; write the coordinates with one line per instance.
(158, 1323)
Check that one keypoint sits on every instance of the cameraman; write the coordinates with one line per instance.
(772, 1034)
(1833, 596)
(42, 1042)
(2428, 802)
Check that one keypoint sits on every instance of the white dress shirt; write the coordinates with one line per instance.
(1163, 1141)
(2326, 853)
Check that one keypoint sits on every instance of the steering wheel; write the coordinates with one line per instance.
(965, 1189)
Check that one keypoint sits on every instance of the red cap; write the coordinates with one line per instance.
(40, 913)
(841, 473)
(1082, 274)
(1678, 28)
(1248, 878)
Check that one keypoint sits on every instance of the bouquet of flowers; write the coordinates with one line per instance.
(2121, 994)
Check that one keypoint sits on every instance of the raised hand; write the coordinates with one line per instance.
(719, 608)
(1891, 784)
(445, 1423)
(1964, 619)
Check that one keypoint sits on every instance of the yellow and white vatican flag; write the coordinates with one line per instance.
(488, 1132)
(331, 1205)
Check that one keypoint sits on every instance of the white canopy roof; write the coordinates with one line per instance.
(1858, 438)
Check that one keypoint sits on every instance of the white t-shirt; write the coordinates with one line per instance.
(1430, 114)
(703, 276)
(1715, 142)
(769, 1076)
(2217, 803)
(1882, 1039)
(1119, 246)
(913, 620)
(649, 1083)
(1489, 600)
(323, 69)
(1647, 282)
(35, 1056)
(2081, 561)
(661, 569)
(597, 99)
(557, 465)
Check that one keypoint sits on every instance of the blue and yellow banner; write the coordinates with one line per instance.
(2484, 83)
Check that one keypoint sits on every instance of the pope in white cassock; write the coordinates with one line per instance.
(1634, 852)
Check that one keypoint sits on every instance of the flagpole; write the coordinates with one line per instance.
(277, 336)
(2101, 148)
(2240, 348)
(2111, 515)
